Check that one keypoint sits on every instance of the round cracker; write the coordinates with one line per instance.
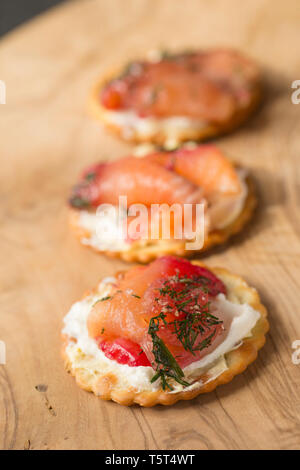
(106, 386)
(203, 132)
(147, 250)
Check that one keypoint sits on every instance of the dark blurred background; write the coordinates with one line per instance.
(15, 12)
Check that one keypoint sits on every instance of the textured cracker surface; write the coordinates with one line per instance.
(106, 386)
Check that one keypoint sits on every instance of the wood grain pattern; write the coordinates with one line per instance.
(47, 137)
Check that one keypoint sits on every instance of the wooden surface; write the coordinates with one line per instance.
(47, 137)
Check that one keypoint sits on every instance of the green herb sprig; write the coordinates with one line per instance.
(166, 364)
(194, 319)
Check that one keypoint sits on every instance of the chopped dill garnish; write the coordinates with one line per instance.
(166, 364)
(79, 202)
(90, 176)
(188, 299)
(108, 297)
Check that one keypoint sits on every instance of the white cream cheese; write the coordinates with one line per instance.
(225, 209)
(105, 230)
(85, 354)
(148, 127)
